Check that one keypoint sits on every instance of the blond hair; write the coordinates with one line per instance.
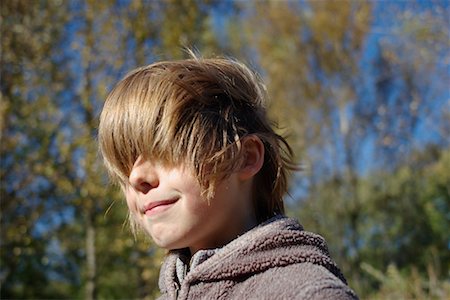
(195, 112)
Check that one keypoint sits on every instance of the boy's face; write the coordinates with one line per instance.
(168, 204)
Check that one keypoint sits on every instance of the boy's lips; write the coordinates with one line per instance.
(158, 206)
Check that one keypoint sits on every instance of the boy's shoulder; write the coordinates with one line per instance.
(295, 281)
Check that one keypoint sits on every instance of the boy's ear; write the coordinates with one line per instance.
(253, 149)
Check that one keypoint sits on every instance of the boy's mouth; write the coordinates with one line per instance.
(158, 206)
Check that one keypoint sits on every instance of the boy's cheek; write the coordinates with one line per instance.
(130, 196)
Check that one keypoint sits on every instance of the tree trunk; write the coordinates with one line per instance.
(91, 285)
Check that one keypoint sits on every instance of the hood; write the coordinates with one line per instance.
(279, 242)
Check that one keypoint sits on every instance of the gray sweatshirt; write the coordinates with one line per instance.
(275, 260)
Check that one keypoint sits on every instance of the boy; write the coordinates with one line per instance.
(204, 174)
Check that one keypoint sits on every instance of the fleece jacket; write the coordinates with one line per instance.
(275, 260)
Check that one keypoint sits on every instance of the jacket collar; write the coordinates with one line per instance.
(278, 242)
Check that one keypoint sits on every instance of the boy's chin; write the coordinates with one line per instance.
(166, 244)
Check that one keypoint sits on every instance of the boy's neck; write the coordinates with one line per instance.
(235, 223)
(226, 238)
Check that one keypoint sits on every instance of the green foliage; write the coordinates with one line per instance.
(408, 285)
(404, 220)
(412, 210)
(26, 136)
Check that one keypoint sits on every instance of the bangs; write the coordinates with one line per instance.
(164, 119)
(130, 126)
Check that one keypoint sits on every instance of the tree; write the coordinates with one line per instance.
(57, 66)
(349, 98)
(27, 37)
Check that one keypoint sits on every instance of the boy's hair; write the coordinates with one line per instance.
(195, 112)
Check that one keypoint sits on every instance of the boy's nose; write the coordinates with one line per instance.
(143, 176)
